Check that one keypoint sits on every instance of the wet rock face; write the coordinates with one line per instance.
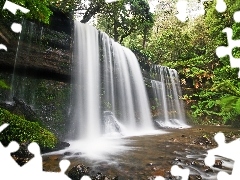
(60, 21)
(46, 57)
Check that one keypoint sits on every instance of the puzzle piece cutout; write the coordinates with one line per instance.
(13, 8)
(32, 169)
(222, 51)
(85, 178)
(8, 162)
(227, 150)
(35, 164)
(159, 178)
(236, 16)
(221, 6)
(5, 156)
(3, 126)
(110, 1)
(182, 8)
(177, 171)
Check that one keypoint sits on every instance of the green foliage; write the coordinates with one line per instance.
(190, 49)
(21, 130)
(68, 6)
(237, 106)
(39, 10)
(228, 87)
(3, 85)
(125, 17)
(228, 103)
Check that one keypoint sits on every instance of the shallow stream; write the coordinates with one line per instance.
(148, 156)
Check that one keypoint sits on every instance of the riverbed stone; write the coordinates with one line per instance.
(78, 171)
(218, 164)
(202, 141)
(22, 156)
(194, 177)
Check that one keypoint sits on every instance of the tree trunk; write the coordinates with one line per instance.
(144, 37)
(115, 31)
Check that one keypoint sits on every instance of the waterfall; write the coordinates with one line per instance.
(29, 37)
(167, 95)
(108, 87)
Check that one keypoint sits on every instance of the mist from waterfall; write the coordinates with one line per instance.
(108, 87)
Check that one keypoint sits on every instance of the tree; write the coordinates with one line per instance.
(190, 48)
(216, 72)
(125, 17)
(39, 10)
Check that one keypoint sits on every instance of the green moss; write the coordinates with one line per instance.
(3, 85)
(21, 130)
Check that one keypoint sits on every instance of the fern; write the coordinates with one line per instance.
(230, 104)
(228, 87)
(237, 106)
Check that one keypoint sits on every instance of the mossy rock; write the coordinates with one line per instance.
(22, 130)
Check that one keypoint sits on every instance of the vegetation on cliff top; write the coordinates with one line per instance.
(190, 49)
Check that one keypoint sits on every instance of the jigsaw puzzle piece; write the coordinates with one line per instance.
(229, 150)
(6, 151)
(177, 171)
(88, 178)
(8, 165)
(220, 139)
(222, 51)
(3, 126)
(236, 16)
(221, 6)
(223, 176)
(5, 156)
(202, 10)
(182, 10)
(34, 164)
(209, 159)
(236, 166)
(63, 164)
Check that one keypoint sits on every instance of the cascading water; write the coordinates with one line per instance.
(29, 36)
(86, 117)
(167, 94)
(108, 87)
